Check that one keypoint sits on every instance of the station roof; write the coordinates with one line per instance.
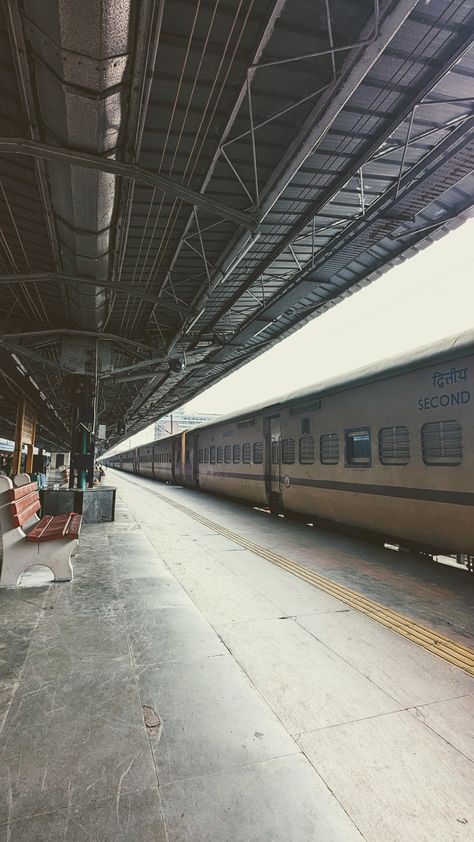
(184, 183)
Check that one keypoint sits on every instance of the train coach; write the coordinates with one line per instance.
(387, 450)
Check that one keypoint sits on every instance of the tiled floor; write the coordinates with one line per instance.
(284, 716)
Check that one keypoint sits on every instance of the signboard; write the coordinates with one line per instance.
(448, 388)
(29, 424)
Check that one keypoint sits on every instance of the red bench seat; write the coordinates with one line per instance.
(22, 548)
(25, 502)
(52, 528)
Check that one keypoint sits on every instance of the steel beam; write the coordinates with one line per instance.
(266, 33)
(331, 192)
(74, 279)
(31, 354)
(328, 107)
(74, 157)
(60, 332)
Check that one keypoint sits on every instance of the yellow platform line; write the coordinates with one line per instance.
(433, 641)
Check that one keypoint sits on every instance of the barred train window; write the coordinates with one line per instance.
(358, 448)
(206, 454)
(246, 453)
(306, 448)
(329, 449)
(227, 454)
(288, 451)
(220, 454)
(213, 454)
(441, 443)
(275, 452)
(236, 454)
(394, 446)
(258, 452)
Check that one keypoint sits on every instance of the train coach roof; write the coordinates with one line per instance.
(449, 348)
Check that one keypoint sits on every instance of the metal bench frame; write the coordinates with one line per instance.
(26, 540)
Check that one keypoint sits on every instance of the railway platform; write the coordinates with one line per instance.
(217, 674)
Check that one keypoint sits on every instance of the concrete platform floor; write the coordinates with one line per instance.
(182, 688)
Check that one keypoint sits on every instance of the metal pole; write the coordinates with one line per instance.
(82, 474)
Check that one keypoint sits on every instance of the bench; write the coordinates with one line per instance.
(27, 540)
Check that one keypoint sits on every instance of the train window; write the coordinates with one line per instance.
(329, 449)
(394, 446)
(358, 451)
(227, 454)
(288, 451)
(258, 452)
(220, 454)
(236, 453)
(213, 454)
(305, 426)
(206, 454)
(275, 452)
(306, 448)
(246, 453)
(441, 443)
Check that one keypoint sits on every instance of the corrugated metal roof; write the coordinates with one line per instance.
(342, 131)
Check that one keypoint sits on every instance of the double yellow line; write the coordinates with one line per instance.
(429, 639)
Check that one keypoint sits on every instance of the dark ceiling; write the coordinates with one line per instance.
(183, 183)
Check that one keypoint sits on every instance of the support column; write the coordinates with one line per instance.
(81, 469)
(20, 417)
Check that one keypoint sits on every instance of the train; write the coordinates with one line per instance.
(387, 451)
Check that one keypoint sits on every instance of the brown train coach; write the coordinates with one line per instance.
(387, 450)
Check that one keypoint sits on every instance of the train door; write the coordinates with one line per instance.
(195, 461)
(136, 460)
(175, 458)
(273, 461)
